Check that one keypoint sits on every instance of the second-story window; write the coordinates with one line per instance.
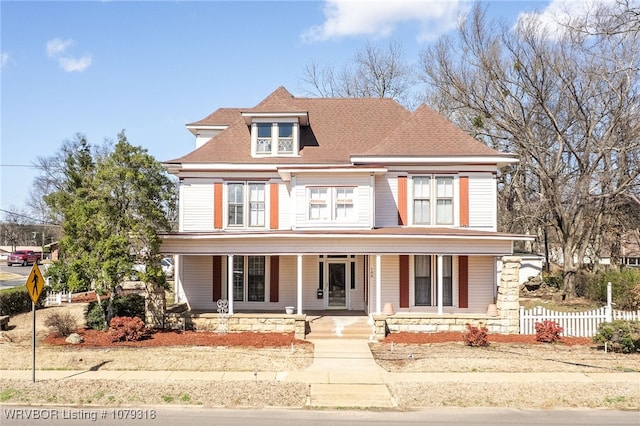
(331, 204)
(275, 138)
(440, 190)
(246, 204)
(285, 138)
(263, 144)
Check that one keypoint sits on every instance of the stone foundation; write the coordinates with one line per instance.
(433, 323)
(236, 323)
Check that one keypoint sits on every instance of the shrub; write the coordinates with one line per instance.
(16, 301)
(130, 305)
(625, 287)
(619, 336)
(548, 331)
(126, 329)
(475, 336)
(95, 317)
(63, 323)
(553, 279)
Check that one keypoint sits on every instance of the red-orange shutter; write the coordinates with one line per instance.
(464, 201)
(402, 200)
(273, 210)
(463, 281)
(404, 281)
(217, 278)
(274, 276)
(217, 205)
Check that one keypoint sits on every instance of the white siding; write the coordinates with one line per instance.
(197, 282)
(196, 206)
(481, 283)
(482, 202)
(386, 193)
(284, 206)
(362, 199)
(357, 294)
(389, 282)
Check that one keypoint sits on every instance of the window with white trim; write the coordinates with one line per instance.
(331, 204)
(425, 280)
(245, 204)
(438, 189)
(275, 138)
(249, 278)
(263, 143)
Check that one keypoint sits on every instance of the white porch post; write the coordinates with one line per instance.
(440, 284)
(299, 284)
(230, 283)
(378, 285)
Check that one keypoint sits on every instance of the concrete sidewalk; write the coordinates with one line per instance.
(343, 374)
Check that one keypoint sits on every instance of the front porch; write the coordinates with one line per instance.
(504, 321)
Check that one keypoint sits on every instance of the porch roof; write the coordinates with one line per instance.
(397, 240)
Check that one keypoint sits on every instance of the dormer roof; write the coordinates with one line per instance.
(332, 130)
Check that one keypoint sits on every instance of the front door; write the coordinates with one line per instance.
(337, 285)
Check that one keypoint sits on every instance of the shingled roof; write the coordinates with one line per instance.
(339, 128)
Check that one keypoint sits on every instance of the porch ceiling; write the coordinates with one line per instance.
(371, 241)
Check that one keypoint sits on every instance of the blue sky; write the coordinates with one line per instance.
(150, 67)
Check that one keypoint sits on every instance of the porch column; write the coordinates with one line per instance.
(230, 283)
(440, 284)
(378, 285)
(299, 303)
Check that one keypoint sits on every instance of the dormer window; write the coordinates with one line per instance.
(285, 138)
(263, 144)
(275, 138)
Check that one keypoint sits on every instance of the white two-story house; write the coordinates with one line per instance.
(336, 204)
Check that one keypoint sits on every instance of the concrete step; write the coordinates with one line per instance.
(331, 327)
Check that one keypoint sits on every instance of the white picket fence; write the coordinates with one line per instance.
(56, 298)
(574, 324)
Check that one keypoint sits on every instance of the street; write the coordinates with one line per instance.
(22, 271)
(26, 415)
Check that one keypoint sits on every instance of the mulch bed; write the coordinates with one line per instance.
(98, 339)
(452, 336)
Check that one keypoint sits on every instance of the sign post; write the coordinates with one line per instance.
(35, 284)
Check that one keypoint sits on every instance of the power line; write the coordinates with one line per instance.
(29, 217)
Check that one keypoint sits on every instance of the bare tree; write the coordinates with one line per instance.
(568, 106)
(373, 72)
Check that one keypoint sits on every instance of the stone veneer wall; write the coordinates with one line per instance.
(236, 323)
(155, 307)
(508, 301)
(506, 322)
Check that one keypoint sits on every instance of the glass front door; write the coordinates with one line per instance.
(337, 285)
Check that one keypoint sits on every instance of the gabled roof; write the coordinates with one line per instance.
(338, 128)
(427, 133)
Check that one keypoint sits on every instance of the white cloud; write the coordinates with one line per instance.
(75, 64)
(57, 47)
(550, 21)
(381, 17)
(5, 59)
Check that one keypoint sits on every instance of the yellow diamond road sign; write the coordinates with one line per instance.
(35, 283)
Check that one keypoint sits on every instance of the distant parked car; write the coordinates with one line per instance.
(167, 266)
(24, 258)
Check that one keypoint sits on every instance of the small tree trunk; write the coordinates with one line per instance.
(112, 296)
(104, 316)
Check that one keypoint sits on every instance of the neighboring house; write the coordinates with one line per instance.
(531, 265)
(337, 204)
